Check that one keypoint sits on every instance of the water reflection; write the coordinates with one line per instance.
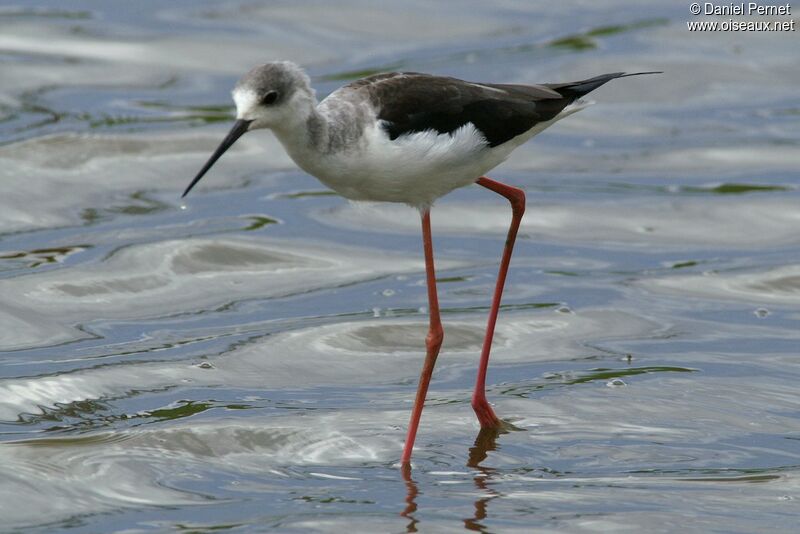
(485, 442)
(412, 490)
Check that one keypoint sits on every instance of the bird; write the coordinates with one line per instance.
(411, 138)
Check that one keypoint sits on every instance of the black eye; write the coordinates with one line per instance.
(269, 98)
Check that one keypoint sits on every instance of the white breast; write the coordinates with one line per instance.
(416, 168)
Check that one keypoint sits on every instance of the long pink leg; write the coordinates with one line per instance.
(433, 341)
(485, 414)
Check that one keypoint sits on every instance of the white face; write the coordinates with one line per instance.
(250, 106)
(246, 104)
(271, 109)
(273, 95)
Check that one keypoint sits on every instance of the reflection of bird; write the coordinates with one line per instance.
(410, 138)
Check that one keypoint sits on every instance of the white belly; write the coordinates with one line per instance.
(416, 168)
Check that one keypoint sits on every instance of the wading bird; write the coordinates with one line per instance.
(411, 138)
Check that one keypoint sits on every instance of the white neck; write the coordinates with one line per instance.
(304, 133)
(318, 136)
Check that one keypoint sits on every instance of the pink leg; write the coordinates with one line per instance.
(433, 342)
(485, 414)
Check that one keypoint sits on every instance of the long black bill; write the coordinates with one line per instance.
(239, 128)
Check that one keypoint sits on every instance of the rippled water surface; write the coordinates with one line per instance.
(249, 362)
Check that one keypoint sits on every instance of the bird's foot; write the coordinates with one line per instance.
(486, 416)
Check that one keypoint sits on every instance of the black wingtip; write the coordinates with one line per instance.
(625, 75)
(583, 87)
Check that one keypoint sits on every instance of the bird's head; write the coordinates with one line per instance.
(268, 96)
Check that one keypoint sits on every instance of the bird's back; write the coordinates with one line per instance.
(421, 136)
(410, 102)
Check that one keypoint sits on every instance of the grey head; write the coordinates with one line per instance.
(272, 95)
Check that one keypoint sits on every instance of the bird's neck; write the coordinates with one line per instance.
(316, 133)
(301, 131)
(336, 124)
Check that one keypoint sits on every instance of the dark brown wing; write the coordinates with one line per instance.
(412, 102)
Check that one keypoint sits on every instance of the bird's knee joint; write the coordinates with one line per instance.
(434, 338)
(517, 200)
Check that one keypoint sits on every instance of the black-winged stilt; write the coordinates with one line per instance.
(411, 138)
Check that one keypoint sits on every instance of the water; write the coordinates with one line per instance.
(247, 361)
